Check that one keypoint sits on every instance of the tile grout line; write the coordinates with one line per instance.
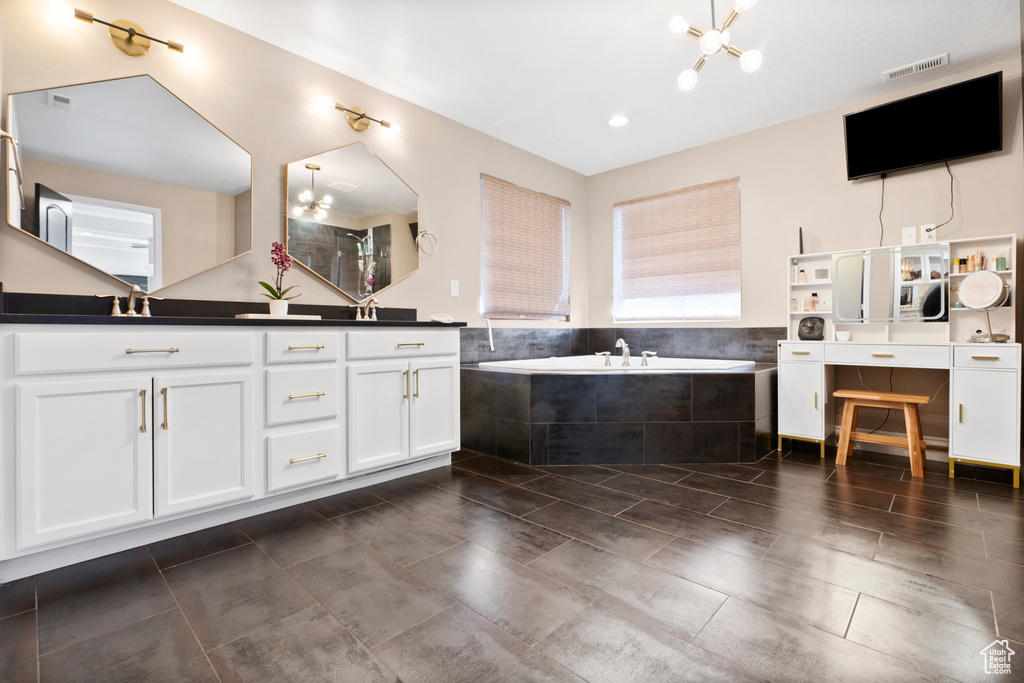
(850, 620)
(177, 605)
(995, 617)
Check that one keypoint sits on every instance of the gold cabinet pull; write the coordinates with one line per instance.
(401, 344)
(405, 374)
(312, 457)
(984, 357)
(164, 423)
(311, 346)
(815, 400)
(316, 394)
(170, 350)
(960, 411)
(142, 428)
(416, 374)
(799, 352)
(879, 354)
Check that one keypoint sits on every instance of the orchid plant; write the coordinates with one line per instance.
(280, 258)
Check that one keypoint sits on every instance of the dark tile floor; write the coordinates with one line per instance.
(786, 569)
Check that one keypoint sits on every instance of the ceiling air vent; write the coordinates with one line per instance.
(58, 101)
(916, 67)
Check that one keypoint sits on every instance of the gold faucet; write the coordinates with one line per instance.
(131, 300)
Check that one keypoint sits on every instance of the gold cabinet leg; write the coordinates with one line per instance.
(821, 444)
(1016, 477)
(951, 463)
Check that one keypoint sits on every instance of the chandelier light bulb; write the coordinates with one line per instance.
(319, 214)
(327, 199)
(742, 6)
(687, 80)
(711, 42)
(750, 61)
(305, 196)
(726, 39)
(678, 25)
(297, 211)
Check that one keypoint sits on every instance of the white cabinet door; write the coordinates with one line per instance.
(378, 414)
(84, 457)
(984, 416)
(434, 416)
(802, 400)
(203, 436)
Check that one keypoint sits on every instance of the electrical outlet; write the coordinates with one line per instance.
(455, 287)
(910, 235)
(928, 235)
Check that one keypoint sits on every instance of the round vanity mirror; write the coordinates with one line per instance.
(985, 290)
(126, 177)
(352, 221)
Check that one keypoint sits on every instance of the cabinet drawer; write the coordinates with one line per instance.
(295, 395)
(401, 343)
(888, 355)
(80, 351)
(986, 357)
(800, 351)
(303, 458)
(302, 347)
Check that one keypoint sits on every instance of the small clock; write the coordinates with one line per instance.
(811, 329)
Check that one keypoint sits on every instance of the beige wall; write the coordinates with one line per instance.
(794, 174)
(198, 228)
(263, 98)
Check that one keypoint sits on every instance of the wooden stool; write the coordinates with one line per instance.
(908, 403)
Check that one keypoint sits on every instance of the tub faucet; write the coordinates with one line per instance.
(607, 357)
(621, 344)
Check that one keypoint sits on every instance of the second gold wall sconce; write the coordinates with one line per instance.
(127, 36)
(358, 119)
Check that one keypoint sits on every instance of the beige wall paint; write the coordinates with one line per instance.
(264, 99)
(198, 228)
(794, 174)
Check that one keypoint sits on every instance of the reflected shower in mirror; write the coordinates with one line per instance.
(907, 284)
(123, 175)
(352, 221)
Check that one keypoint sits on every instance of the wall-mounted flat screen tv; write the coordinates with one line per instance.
(954, 122)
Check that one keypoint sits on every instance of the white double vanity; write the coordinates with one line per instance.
(116, 435)
(875, 300)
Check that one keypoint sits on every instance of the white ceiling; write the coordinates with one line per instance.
(545, 75)
(131, 127)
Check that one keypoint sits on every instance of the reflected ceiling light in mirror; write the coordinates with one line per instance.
(359, 120)
(307, 197)
(618, 121)
(714, 41)
(127, 36)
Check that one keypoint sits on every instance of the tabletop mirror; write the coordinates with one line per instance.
(907, 284)
(352, 221)
(123, 175)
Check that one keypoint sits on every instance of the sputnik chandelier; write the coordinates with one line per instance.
(308, 201)
(714, 41)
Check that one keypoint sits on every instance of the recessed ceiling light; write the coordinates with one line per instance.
(618, 120)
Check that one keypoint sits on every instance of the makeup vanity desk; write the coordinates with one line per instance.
(984, 378)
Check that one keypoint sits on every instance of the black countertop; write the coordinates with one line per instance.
(73, 309)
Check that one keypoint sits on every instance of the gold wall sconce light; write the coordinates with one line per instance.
(127, 36)
(358, 119)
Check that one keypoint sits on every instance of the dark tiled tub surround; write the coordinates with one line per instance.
(566, 419)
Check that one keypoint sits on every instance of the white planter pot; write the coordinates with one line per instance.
(278, 307)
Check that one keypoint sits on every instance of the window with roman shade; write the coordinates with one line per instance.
(676, 256)
(524, 253)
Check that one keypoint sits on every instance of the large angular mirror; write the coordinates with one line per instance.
(352, 221)
(123, 175)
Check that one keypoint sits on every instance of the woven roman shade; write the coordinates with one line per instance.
(524, 253)
(677, 255)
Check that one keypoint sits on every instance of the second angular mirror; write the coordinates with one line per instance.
(351, 220)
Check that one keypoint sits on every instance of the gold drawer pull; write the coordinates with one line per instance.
(164, 392)
(142, 428)
(312, 457)
(960, 410)
(815, 400)
(170, 350)
(311, 346)
(801, 353)
(416, 374)
(878, 354)
(317, 394)
(405, 374)
(401, 344)
(984, 357)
